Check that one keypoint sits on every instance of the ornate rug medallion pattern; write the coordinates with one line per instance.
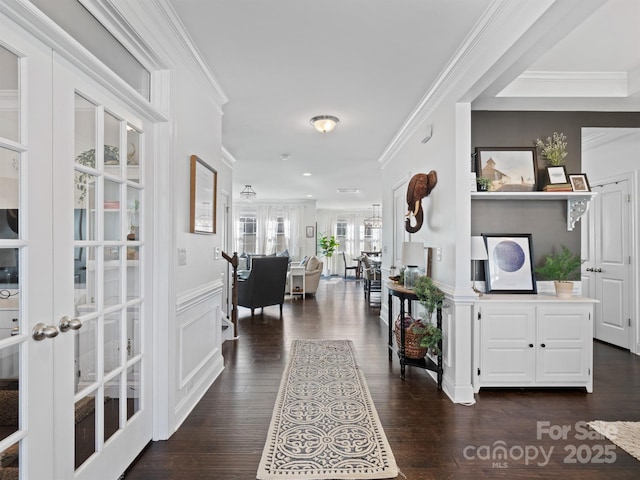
(324, 423)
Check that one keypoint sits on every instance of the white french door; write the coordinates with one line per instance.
(101, 390)
(75, 379)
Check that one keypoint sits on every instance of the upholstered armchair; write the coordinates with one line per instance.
(265, 284)
(312, 274)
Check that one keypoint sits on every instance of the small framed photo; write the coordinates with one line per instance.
(509, 268)
(579, 182)
(310, 231)
(557, 174)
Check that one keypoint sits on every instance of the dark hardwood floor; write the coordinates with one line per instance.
(431, 437)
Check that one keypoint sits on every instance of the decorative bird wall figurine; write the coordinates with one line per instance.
(419, 187)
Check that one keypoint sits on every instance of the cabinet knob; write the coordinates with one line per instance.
(590, 269)
(531, 345)
(542, 345)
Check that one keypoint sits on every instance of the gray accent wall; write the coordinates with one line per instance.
(545, 220)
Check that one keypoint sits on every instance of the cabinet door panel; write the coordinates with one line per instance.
(564, 339)
(506, 356)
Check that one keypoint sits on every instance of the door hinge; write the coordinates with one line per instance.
(479, 315)
(589, 372)
(628, 198)
(478, 372)
(629, 259)
(629, 321)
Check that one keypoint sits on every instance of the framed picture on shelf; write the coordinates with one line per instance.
(556, 174)
(509, 268)
(511, 169)
(579, 182)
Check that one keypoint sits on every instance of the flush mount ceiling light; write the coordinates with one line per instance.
(248, 193)
(375, 221)
(324, 123)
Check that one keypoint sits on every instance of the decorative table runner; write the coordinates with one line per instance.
(324, 423)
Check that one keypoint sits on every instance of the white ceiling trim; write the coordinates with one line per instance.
(162, 24)
(498, 15)
(633, 81)
(227, 157)
(567, 85)
(25, 14)
(597, 137)
(109, 15)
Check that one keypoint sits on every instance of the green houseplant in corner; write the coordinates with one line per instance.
(328, 246)
(562, 267)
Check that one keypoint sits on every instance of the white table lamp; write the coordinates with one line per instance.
(478, 252)
(413, 260)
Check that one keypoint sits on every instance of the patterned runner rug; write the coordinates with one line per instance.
(324, 423)
(626, 435)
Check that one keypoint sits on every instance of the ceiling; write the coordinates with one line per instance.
(370, 62)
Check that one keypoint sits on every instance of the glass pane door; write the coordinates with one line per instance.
(107, 276)
(12, 340)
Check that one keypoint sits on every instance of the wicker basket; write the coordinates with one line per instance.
(412, 348)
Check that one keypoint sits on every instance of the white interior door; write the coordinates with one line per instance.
(102, 380)
(26, 250)
(607, 271)
(74, 348)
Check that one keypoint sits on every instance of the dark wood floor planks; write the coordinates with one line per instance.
(431, 437)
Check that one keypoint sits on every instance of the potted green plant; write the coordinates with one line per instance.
(428, 335)
(554, 149)
(328, 245)
(483, 184)
(562, 267)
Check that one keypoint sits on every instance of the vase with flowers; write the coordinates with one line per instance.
(553, 149)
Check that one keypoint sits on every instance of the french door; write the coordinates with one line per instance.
(75, 354)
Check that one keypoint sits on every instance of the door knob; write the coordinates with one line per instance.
(68, 323)
(42, 331)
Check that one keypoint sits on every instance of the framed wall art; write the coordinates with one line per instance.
(579, 182)
(204, 185)
(511, 169)
(557, 174)
(310, 231)
(509, 268)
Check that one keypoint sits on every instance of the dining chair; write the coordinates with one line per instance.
(355, 268)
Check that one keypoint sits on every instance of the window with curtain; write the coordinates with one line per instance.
(267, 229)
(246, 233)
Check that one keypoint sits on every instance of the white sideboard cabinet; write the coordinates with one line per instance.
(533, 341)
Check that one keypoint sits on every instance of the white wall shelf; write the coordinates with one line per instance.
(577, 202)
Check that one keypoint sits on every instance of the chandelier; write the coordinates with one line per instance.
(374, 221)
(324, 123)
(247, 193)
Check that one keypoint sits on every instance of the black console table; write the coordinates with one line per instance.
(406, 295)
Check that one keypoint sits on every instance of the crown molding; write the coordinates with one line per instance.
(34, 21)
(497, 14)
(158, 23)
(227, 158)
(597, 137)
(567, 84)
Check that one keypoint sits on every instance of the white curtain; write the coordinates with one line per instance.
(267, 227)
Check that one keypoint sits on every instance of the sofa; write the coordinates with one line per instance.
(312, 273)
(265, 283)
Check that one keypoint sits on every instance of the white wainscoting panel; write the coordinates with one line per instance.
(198, 339)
